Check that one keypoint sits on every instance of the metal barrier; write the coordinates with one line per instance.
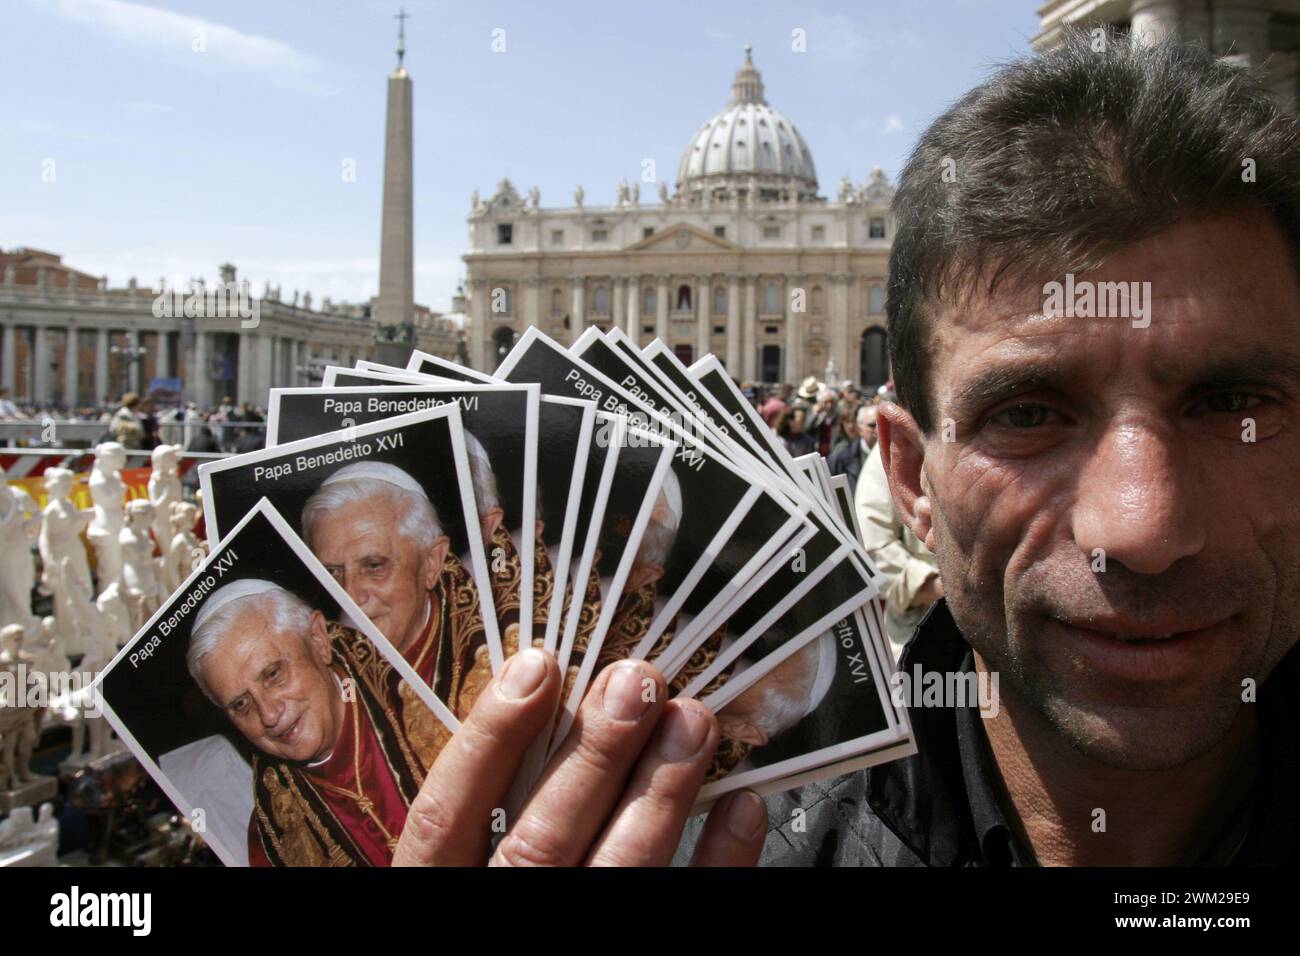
(82, 433)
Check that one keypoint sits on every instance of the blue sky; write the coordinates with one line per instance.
(168, 161)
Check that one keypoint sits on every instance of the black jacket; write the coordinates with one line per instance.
(944, 806)
(847, 459)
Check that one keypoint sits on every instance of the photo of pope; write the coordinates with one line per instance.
(374, 529)
(339, 751)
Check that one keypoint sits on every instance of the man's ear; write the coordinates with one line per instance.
(434, 560)
(490, 520)
(320, 638)
(902, 451)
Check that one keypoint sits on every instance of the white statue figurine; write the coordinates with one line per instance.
(106, 493)
(20, 725)
(115, 619)
(183, 552)
(20, 523)
(141, 590)
(77, 707)
(164, 488)
(66, 572)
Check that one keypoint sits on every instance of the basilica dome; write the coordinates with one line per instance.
(749, 150)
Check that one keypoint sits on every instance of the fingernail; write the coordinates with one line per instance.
(629, 693)
(745, 815)
(683, 734)
(524, 673)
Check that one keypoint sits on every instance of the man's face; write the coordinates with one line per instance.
(867, 425)
(276, 687)
(1115, 518)
(362, 546)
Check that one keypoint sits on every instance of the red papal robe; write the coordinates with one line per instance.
(350, 809)
(333, 783)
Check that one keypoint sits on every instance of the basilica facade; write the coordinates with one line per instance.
(742, 258)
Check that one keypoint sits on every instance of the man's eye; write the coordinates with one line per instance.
(336, 574)
(1023, 416)
(1229, 402)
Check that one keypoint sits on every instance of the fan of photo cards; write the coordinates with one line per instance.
(406, 530)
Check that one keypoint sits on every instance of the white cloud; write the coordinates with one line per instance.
(176, 32)
(893, 123)
(836, 39)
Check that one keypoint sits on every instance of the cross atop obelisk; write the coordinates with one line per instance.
(395, 307)
(401, 17)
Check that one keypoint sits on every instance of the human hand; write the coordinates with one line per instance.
(617, 792)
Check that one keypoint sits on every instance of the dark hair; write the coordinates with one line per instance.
(1058, 161)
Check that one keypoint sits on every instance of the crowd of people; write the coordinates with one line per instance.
(139, 422)
(839, 423)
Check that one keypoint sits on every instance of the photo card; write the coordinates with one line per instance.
(270, 710)
(389, 509)
(500, 424)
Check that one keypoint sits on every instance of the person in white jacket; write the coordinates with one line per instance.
(911, 575)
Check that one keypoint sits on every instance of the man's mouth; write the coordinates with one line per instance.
(1130, 650)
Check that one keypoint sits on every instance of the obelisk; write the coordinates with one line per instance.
(396, 303)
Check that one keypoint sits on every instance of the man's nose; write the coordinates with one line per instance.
(1136, 499)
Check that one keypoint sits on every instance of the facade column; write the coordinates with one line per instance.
(703, 316)
(133, 363)
(793, 349)
(478, 324)
(163, 363)
(750, 345)
(616, 292)
(578, 317)
(662, 295)
(244, 372)
(10, 366)
(1151, 21)
(40, 365)
(733, 325)
(265, 352)
(532, 301)
(634, 309)
(101, 364)
(839, 323)
(198, 383)
(70, 369)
